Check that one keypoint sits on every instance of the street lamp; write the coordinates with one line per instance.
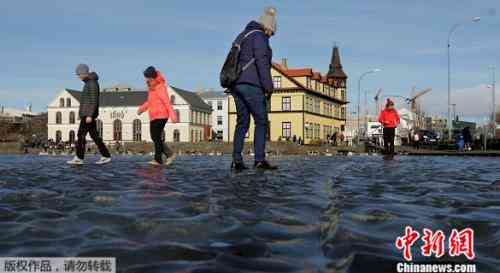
(493, 97)
(359, 96)
(453, 28)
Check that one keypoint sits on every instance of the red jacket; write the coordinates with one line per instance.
(389, 118)
(158, 103)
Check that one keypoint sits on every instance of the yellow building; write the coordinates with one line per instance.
(304, 104)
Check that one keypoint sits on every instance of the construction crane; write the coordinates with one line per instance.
(415, 107)
(413, 100)
(376, 98)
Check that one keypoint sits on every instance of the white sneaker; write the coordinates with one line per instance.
(170, 160)
(75, 161)
(103, 160)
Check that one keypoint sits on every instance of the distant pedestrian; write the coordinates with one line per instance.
(253, 88)
(160, 111)
(334, 138)
(416, 140)
(88, 112)
(294, 139)
(467, 138)
(460, 143)
(389, 118)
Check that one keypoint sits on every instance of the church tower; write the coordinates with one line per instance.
(336, 73)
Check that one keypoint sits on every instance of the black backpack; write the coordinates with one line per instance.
(232, 68)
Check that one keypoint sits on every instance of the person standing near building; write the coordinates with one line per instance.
(253, 88)
(389, 118)
(88, 112)
(160, 111)
(467, 138)
(416, 140)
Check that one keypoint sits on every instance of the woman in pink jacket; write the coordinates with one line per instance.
(160, 110)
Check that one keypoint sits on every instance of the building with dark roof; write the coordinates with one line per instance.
(118, 119)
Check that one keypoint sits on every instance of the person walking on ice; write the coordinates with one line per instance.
(160, 111)
(389, 118)
(88, 112)
(252, 87)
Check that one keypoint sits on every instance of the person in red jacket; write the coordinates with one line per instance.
(389, 118)
(160, 110)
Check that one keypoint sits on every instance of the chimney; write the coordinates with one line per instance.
(284, 63)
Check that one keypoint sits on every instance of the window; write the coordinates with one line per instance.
(286, 129)
(71, 117)
(99, 127)
(317, 106)
(137, 130)
(71, 136)
(59, 117)
(277, 81)
(219, 120)
(172, 99)
(68, 102)
(61, 102)
(286, 104)
(219, 105)
(177, 136)
(343, 95)
(342, 110)
(58, 136)
(308, 82)
(117, 130)
(316, 85)
(178, 115)
(308, 127)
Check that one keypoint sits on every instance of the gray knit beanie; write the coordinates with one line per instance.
(268, 19)
(82, 69)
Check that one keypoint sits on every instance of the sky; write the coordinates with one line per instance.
(43, 41)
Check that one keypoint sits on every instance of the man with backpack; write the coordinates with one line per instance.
(247, 74)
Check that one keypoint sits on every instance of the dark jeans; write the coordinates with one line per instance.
(156, 128)
(90, 128)
(389, 134)
(250, 100)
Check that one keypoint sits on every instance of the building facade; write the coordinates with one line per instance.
(219, 103)
(304, 104)
(118, 119)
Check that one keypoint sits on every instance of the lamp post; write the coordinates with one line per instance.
(493, 106)
(359, 98)
(453, 28)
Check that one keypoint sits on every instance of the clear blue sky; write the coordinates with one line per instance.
(42, 41)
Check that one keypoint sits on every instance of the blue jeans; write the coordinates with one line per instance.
(250, 100)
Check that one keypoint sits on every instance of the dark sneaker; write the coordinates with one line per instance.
(238, 166)
(264, 165)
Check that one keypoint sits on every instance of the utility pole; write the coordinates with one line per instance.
(493, 106)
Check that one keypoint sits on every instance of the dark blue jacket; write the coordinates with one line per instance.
(256, 46)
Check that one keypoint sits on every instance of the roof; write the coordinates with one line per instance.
(336, 70)
(212, 94)
(135, 98)
(291, 73)
(192, 99)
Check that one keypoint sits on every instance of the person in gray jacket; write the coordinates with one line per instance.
(88, 112)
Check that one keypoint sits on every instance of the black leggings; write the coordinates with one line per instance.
(156, 128)
(89, 128)
(389, 134)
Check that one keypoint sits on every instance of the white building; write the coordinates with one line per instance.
(118, 119)
(218, 101)
(16, 115)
